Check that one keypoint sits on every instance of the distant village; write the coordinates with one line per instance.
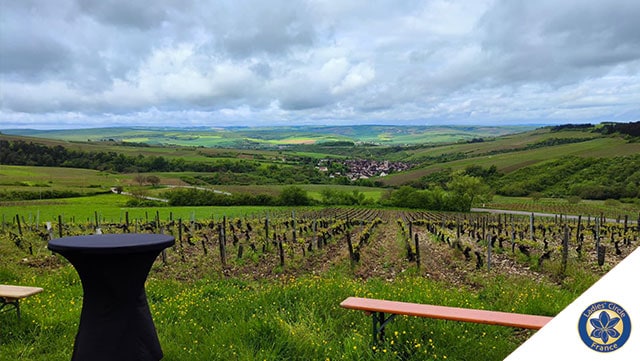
(355, 169)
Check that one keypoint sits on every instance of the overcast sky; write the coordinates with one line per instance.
(76, 63)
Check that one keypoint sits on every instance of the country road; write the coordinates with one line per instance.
(115, 190)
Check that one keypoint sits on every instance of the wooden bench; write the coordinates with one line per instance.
(11, 295)
(379, 308)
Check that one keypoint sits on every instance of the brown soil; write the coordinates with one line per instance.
(383, 256)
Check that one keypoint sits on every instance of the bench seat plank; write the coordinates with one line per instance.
(11, 293)
(11, 296)
(534, 322)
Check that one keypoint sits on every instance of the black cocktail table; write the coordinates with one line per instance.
(115, 323)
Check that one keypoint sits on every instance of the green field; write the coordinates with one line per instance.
(242, 137)
(42, 179)
(297, 318)
(112, 207)
(274, 293)
(428, 154)
(252, 308)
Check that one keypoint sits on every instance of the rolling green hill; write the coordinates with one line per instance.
(512, 152)
(269, 137)
(555, 161)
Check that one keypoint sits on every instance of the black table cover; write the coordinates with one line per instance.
(115, 323)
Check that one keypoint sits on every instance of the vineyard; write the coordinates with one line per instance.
(374, 242)
(366, 246)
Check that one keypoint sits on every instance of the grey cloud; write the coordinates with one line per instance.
(302, 93)
(127, 13)
(558, 42)
(318, 60)
(247, 28)
(303, 101)
(26, 50)
(44, 41)
(262, 69)
(598, 34)
(31, 56)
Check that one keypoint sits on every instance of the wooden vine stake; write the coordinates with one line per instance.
(565, 249)
(579, 228)
(315, 234)
(164, 251)
(417, 249)
(531, 228)
(180, 239)
(240, 250)
(19, 225)
(513, 235)
(350, 247)
(223, 254)
(204, 245)
(489, 252)
(602, 250)
(223, 232)
(60, 225)
(281, 252)
(266, 229)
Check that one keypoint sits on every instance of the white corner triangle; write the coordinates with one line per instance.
(566, 336)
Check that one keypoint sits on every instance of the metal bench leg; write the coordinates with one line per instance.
(10, 302)
(379, 322)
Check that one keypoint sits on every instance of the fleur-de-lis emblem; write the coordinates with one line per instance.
(603, 327)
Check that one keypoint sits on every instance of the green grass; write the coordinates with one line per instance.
(202, 314)
(53, 177)
(110, 208)
(290, 319)
(313, 190)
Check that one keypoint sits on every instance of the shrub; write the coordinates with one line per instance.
(574, 199)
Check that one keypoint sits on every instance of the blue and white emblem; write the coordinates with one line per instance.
(604, 326)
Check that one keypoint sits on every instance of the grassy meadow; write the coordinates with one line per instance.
(201, 312)
(110, 208)
(294, 318)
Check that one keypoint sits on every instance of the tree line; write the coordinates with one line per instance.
(631, 129)
(586, 178)
(225, 171)
(28, 153)
(457, 196)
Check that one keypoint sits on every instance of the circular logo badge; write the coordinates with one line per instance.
(604, 326)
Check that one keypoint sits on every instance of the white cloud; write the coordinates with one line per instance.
(328, 61)
(356, 77)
